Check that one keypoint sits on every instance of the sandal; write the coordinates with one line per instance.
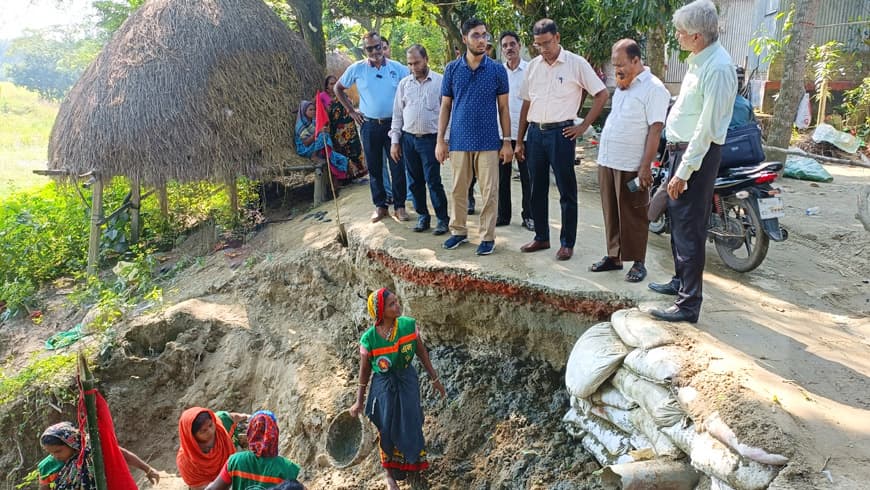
(605, 264)
(637, 273)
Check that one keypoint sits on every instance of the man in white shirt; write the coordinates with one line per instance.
(414, 133)
(516, 70)
(695, 130)
(626, 149)
(552, 92)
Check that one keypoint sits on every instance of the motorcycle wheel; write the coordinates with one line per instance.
(660, 225)
(751, 251)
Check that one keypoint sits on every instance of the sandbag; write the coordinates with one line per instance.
(582, 405)
(717, 428)
(659, 365)
(638, 329)
(571, 420)
(661, 444)
(621, 419)
(607, 394)
(805, 168)
(717, 484)
(656, 473)
(717, 460)
(614, 440)
(682, 436)
(596, 355)
(597, 450)
(656, 400)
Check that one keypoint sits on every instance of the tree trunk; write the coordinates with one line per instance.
(309, 14)
(794, 69)
(451, 31)
(655, 51)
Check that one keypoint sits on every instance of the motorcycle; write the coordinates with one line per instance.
(745, 213)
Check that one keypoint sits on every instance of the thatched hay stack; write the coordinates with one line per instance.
(187, 90)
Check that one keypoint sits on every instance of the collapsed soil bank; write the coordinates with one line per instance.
(281, 332)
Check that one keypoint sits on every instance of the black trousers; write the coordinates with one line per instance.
(505, 170)
(690, 214)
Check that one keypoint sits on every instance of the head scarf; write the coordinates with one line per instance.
(263, 435)
(197, 468)
(303, 106)
(377, 303)
(264, 412)
(66, 432)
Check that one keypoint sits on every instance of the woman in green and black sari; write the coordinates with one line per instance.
(387, 349)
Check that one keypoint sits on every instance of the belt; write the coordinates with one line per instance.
(671, 146)
(554, 125)
(386, 120)
(421, 135)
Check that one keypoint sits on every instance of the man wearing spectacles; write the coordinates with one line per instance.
(376, 78)
(552, 93)
(474, 92)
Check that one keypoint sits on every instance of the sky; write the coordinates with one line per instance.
(18, 15)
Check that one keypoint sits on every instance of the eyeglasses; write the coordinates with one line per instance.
(480, 37)
(376, 47)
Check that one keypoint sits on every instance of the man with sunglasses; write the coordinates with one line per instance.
(474, 92)
(376, 79)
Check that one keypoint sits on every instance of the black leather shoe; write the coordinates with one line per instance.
(670, 288)
(674, 314)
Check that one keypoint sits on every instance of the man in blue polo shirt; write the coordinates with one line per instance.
(474, 91)
(376, 79)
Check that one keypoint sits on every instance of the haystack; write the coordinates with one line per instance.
(188, 90)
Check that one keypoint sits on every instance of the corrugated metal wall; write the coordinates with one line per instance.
(742, 20)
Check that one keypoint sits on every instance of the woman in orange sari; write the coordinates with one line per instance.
(206, 445)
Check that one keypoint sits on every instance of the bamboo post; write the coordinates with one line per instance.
(96, 220)
(135, 201)
(233, 192)
(163, 199)
(88, 386)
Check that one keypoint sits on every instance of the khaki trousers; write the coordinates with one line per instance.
(626, 226)
(465, 165)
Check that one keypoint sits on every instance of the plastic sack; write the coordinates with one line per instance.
(572, 424)
(581, 405)
(805, 168)
(717, 428)
(661, 444)
(616, 416)
(715, 459)
(638, 329)
(656, 400)
(614, 440)
(607, 394)
(840, 139)
(596, 355)
(659, 365)
(804, 114)
(596, 449)
(682, 436)
(640, 475)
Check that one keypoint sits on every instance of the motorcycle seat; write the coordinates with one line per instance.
(743, 171)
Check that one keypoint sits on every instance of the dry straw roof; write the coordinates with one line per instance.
(187, 90)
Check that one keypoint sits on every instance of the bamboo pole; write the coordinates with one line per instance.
(96, 219)
(135, 202)
(163, 199)
(319, 188)
(88, 386)
(233, 192)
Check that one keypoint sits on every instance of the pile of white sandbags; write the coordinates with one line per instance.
(626, 412)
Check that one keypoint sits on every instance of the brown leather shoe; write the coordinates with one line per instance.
(534, 246)
(402, 215)
(564, 253)
(379, 214)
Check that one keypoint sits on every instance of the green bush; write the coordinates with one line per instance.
(856, 107)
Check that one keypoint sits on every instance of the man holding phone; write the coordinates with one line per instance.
(628, 145)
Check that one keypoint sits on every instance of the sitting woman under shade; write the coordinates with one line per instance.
(317, 146)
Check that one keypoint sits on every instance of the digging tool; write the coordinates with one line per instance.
(342, 233)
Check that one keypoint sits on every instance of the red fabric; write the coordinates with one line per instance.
(322, 118)
(117, 473)
(197, 468)
(225, 475)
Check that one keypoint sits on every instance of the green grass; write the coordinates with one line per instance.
(25, 123)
